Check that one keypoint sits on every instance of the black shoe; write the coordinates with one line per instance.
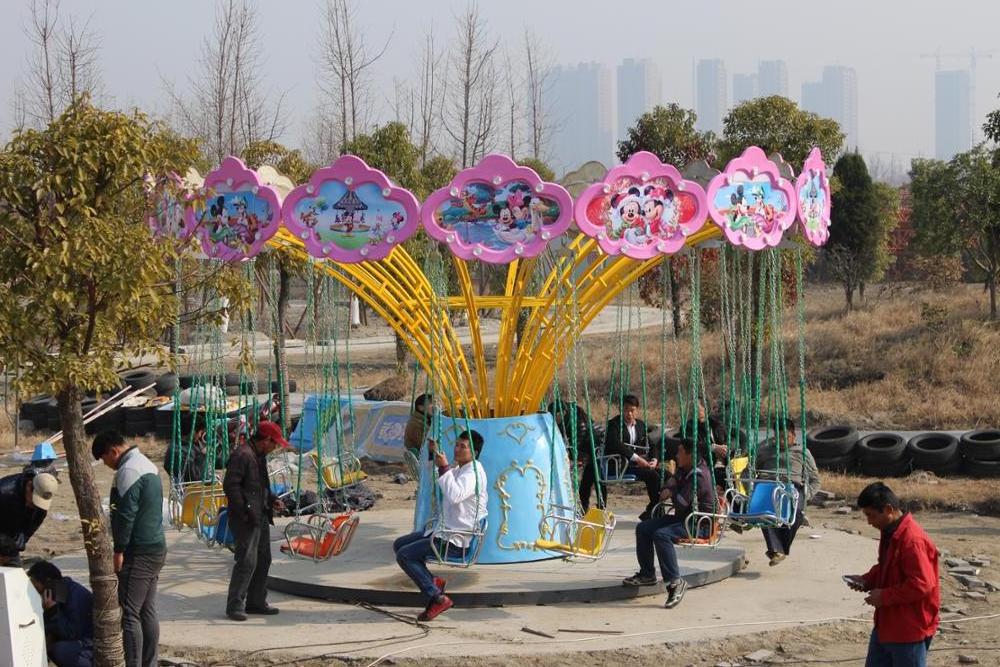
(236, 615)
(644, 516)
(675, 593)
(736, 528)
(639, 579)
(266, 610)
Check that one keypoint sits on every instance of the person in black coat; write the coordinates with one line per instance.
(573, 422)
(627, 437)
(251, 505)
(25, 499)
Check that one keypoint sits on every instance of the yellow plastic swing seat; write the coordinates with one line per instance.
(737, 465)
(201, 497)
(337, 476)
(589, 538)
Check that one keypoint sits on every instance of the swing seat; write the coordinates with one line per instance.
(444, 550)
(705, 528)
(412, 464)
(613, 469)
(337, 476)
(591, 534)
(321, 537)
(214, 529)
(737, 466)
(771, 503)
(197, 497)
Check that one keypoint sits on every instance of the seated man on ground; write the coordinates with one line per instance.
(419, 424)
(577, 431)
(627, 438)
(25, 499)
(658, 533)
(69, 611)
(463, 505)
(787, 462)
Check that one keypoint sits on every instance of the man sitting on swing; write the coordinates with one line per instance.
(626, 437)
(689, 489)
(463, 505)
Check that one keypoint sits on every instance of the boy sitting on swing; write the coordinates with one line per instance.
(463, 506)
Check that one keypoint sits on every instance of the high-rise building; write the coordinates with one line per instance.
(772, 78)
(640, 88)
(835, 96)
(744, 88)
(710, 94)
(580, 104)
(952, 113)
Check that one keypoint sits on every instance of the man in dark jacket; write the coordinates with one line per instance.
(627, 437)
(251, 503)
(69, 616)
(140, 546)
(25, 499)
(690, 486)
(577, 431)
(419, 424)
(903, 586)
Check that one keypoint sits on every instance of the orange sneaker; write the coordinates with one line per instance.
(442, 604)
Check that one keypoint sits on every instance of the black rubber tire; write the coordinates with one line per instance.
(275, 387)
(899, 468)
(185, 381)
(138, 414)
(165, 384)
(231, 379)
(931, 451)
(163, 417)
(35, 408)
(830, 442)
(139, 379)
(52, 422)
(950, 469)
(981, 469)
(846, 463)
(232, 390)
(881, 448)
(981, 445)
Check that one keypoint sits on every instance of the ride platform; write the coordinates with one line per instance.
(367, 571)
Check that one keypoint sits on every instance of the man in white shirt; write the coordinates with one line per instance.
(463, 505)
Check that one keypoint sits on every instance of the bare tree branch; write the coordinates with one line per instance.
(469, 115)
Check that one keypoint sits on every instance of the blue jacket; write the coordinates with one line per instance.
(72, 620)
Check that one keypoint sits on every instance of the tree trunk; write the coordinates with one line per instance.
(861, 292)
(401, 354)
(991, 284)
(108, 650)
(280, 360)
(675, 299)
(849, 296)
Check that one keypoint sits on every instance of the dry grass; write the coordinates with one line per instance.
(923, 491)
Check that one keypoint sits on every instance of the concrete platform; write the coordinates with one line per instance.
(367, 572)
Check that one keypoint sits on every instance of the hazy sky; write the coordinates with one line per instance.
(144, 43)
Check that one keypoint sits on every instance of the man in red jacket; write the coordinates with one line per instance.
(903, 586)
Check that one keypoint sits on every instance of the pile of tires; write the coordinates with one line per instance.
(33, 410)
(980, 451)
(833, 447)
(883, 455)
(936, 452)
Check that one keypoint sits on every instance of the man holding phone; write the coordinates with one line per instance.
(903, 586)
(69, 611)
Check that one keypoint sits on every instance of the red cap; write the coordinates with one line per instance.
(273, 431)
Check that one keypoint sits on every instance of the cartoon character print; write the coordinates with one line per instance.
(661, 211)
(626, 213)
(762, 212)
(813, 211)
(397, 220)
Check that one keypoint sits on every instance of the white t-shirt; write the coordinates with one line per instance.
(463, 500)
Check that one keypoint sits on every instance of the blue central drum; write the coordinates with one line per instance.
(527, 470)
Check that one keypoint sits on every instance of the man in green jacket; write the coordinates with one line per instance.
(140, 546)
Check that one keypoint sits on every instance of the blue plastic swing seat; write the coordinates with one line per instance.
(770, 503)
(219, 531)
(458, 556)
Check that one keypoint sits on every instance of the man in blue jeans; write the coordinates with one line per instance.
(463, 506)
(692, 478)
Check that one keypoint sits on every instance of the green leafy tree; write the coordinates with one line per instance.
(543, 170)
(887, 213)
(854, 226)
(668, 132)
(85, 286)
(778, 125)
(956, 208)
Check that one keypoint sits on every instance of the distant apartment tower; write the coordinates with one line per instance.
(580, 104)
(710, 94)
(744, 88)
(952, 113)
(772, 78)
(640, 88)
(835, 96)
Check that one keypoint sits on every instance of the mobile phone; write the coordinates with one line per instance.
(851, 580)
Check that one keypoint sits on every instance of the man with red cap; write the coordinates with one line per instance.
(251, 505)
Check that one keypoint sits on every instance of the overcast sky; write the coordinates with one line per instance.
(144, 43)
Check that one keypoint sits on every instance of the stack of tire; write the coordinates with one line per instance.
(33, 410)
(980, 451)
(936, 452)
(833, 447)
(883, 455)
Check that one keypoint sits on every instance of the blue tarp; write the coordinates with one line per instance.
(371, 428)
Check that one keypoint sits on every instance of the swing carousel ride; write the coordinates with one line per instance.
(562, 261)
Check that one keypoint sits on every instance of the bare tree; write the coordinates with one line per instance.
(322, 145)
(470, 115)
(427, 102)
(228, 107)
(538, 62)
(62, 66)
(512, 120)
(344, 64)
